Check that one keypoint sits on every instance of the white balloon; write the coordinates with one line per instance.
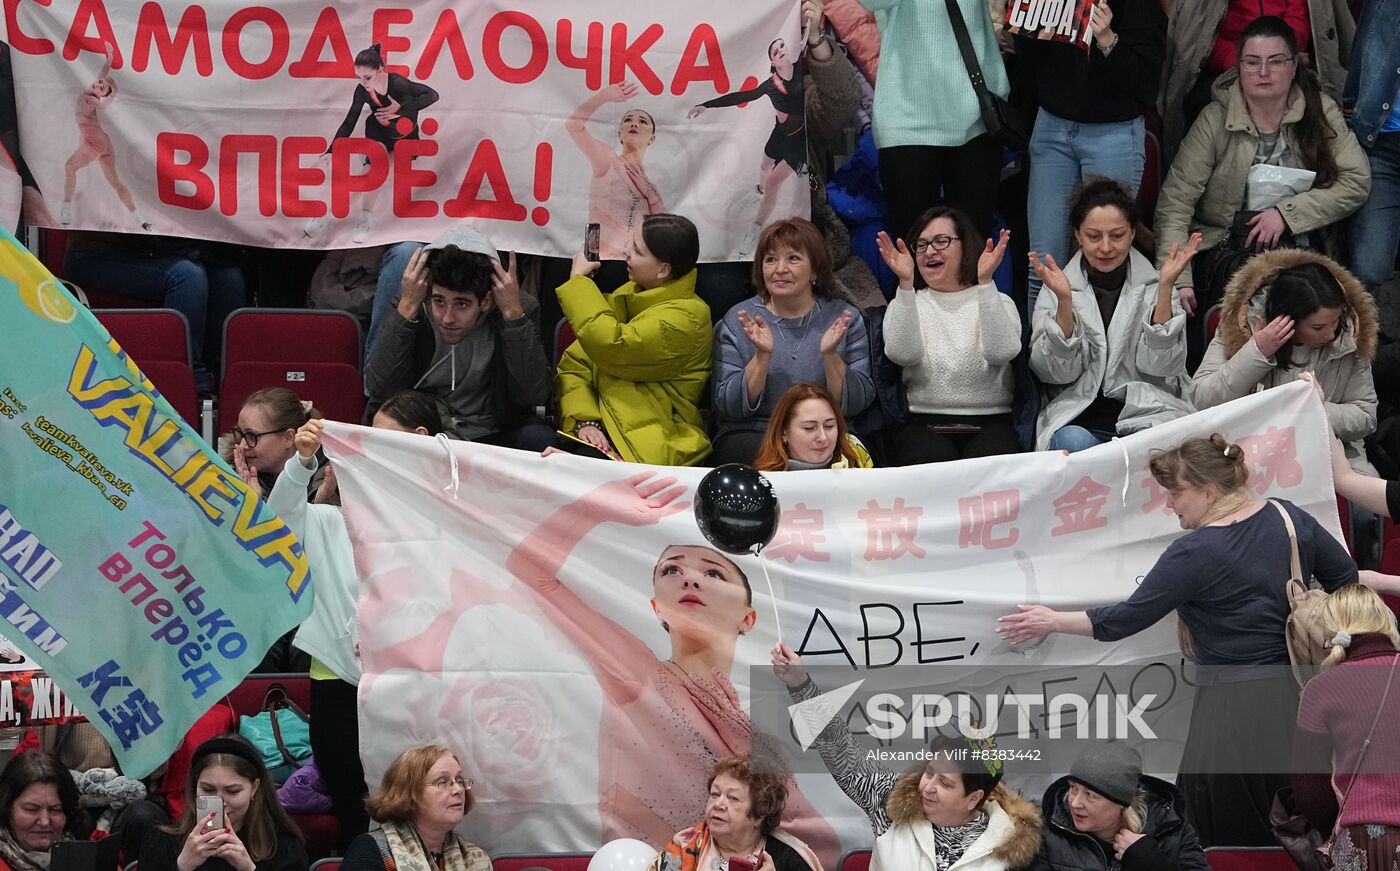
(624, 854)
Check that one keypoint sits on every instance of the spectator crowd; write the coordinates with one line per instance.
(1208, 205)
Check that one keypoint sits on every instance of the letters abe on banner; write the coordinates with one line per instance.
(563, 626)
(136, 568)
(275, 125)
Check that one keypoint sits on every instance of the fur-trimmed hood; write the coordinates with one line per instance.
(1244, 299)
(1015, 851)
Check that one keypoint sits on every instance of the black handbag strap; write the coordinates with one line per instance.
(969, 56)
(1366, 745)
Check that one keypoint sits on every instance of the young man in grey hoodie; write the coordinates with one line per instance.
(463, 332)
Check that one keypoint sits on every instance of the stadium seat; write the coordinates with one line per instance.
(548, 861)
(856, 860)
(1249, 859)
(336, 389)
(292, 335)
(322, 833)
(332, 864)
(315, 353)
(563, 338)
(247, 697)
(158, 339)
(1344, 517)
(1212, 322)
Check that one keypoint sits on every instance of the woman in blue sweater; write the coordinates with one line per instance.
(792, 331)
(1225, 580)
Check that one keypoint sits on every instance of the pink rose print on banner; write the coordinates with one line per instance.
(507, 732)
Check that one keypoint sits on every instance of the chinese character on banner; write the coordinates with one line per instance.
(106, 676)
(132, 719)
(799, 535)
(1272, 457)
(1079, 508)
(981, 515)
(890, 532)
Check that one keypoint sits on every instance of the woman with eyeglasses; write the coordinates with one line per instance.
(263, 440)
(1268, 120)
(422, 798)
(1108, 337)
(955, 335)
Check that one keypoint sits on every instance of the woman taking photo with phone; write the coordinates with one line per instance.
(631, 383)
(246, 829)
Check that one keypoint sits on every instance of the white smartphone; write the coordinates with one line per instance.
(205, 805)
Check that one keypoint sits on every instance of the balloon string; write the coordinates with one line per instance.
(772, 597)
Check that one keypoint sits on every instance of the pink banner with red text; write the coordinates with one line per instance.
(308, 124)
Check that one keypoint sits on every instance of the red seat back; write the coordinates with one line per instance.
(1212, 322)
(551, 861)
(563, 338)
(271, 335)
(149, 333)
(856, 860)
(175, 381)
(330, 864)
(1249, 859)
(247, 698)
(336, 389)
(53, 245)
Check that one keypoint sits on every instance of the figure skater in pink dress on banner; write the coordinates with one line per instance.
(665, 722)
(94, 145)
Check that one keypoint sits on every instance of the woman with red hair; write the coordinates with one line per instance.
(807, 431)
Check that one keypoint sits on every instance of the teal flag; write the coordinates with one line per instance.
(135, 566)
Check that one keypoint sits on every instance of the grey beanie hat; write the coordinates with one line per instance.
(1111, 769)
(466, 238)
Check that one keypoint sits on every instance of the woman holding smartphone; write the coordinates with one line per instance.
(232, 819)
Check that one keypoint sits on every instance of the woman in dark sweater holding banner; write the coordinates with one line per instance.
(1225, 579)
(1092, 100)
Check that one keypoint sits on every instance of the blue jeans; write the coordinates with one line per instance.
(1076, 438)
(1061, 154)
(391, 270)
(205, 292)
(1375, 229)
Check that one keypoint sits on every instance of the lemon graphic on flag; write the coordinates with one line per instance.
(38, 290)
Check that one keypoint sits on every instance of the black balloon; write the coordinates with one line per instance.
(736, 508)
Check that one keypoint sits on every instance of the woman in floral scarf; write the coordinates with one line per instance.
(739, 830)
(38, 807)
(422, 798)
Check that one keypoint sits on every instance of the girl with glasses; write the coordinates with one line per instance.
(955, 335)
(262, 441)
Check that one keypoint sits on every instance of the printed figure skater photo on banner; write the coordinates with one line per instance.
(785, 155)
(394, 102)
(94, 145)
(620, 194)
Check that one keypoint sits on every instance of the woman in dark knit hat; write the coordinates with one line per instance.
(1106, 814)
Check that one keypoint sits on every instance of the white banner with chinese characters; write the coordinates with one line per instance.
(562, 625)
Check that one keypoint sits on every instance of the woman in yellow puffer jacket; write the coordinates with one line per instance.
(631, 383)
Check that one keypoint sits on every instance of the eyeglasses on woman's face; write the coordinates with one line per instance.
(449, 782)
(937, 243)
(1275, 63)
(249, 438)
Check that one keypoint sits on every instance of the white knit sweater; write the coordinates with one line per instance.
(955, 348)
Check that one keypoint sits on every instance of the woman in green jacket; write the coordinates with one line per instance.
(630, 385)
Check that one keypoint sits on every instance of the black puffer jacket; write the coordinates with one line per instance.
(1169, 843)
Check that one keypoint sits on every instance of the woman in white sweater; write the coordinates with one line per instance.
(955, 335)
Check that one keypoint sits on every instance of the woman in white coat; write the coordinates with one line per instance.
(956, 815)
(1109, 341)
